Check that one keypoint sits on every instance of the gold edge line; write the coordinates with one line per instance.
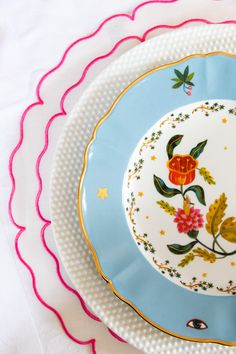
(84, 232)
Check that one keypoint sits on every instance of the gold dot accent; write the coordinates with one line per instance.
(224, 120)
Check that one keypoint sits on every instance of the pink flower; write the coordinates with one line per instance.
(189, 93)
(192, 221)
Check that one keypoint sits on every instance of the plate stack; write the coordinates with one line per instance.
(143, 193)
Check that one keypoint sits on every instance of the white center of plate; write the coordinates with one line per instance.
(179, 195)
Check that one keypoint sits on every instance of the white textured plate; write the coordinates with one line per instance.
(67, 168)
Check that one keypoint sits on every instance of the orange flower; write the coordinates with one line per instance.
(182, 169)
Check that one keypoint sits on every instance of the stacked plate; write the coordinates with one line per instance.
(151, 149)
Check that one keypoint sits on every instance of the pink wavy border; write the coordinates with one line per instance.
(40, 102)
(63, 113)
(47, 222)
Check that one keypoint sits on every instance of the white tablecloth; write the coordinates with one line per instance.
(33, 36)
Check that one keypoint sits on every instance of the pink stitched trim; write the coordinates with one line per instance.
(69, 288)
(46, 135)
(227, 22)
(17, 147)
(40, 101)
(131, 17)
(92, 341)
(63, 113)
(116, 336)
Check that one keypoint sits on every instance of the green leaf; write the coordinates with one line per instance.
(177, 85)
(197, 150)
(175, 79)
(189, 83)
(181, 249)
(199, 191)
(186, 71)
(162, 188)
(193, 233)
(190, 76)
(172, 143)
(179, 75)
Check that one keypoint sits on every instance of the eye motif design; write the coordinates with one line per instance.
(197, 324)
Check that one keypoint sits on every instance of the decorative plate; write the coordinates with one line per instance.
(157, 197)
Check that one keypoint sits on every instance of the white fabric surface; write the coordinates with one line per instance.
(33, 36)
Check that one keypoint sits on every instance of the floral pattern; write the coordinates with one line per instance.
(196, 284)
(208, 108)
(173, 119)
(165, 268)
(229, 289)
(134, 173)
(149, 142)
(191, 216)
(183, 80)
(189, 219)
(132, 209)
(182, 169)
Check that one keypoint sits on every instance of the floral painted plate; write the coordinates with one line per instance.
(157, 197)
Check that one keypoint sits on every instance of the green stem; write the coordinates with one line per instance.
(215, 242)
(217, 252)
(182, 191)
(184, 88)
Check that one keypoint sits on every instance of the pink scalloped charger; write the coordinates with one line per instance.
(39, 102)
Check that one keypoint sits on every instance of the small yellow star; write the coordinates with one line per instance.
(140, 194)
(225, 147)
(102, 193)
(232, 264)
(204, 275)
(162, 232)
(224, 120)
(153, 158)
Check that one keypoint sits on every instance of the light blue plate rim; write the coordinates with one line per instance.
(163, 304)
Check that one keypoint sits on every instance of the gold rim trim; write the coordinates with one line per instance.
(85, 234)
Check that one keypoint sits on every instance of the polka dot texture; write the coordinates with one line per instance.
(67, 169)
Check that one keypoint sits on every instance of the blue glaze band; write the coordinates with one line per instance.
(168, 305)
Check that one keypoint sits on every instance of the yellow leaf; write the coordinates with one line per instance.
(228, 229)
(187, 205)
(169, 209)
(206, 175)
(203, 253)
(215, 214)
(186, 260)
